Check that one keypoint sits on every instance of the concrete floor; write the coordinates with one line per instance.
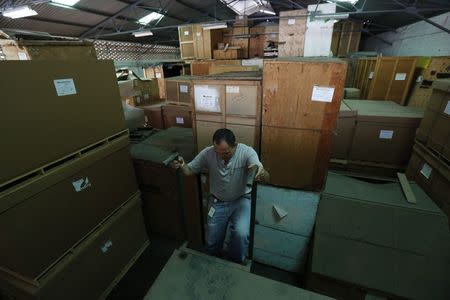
(135, 284)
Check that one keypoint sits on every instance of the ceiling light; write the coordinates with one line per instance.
(214, 26)
(346, 1)
(150, 17)
(269, 12)
(19, 12)
(339, 16)
(66, 2)
(142, 33)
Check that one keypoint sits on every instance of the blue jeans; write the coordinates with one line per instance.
(238, 214)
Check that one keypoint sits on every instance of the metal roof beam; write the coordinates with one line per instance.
(204, 12)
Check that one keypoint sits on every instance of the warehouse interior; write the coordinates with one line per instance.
(225, 149)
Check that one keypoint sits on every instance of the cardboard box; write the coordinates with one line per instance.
(407, 254)
(177, 116)
(432, 174)
(342, 139)
(91, 268)
(41, 220)
(153, 115)
(87, 110)
(384, 131)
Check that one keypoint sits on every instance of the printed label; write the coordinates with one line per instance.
(179, 120)
(322, 93)
(291, 21)
(241, 17)
(206, 98)
(426, 170)
(371, 75)
(64, 87)
(232, 89)
(81, 184)
(211, 212)
(186, 32)
(22, 56)
(386, 134)
(199, 34)
(106, 246)
(158, 75)
(447, 108)
(183, 88)
(400, 76)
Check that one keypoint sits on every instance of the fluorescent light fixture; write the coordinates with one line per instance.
(339, 16)
(66, 2)
(142, 33)
(345, 1)
(269, 12)
(19, 12)
(215, 26)
(150, 17)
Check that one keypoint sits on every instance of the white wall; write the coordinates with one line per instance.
(417, 39)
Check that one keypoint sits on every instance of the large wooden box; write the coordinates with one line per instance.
(343, 134)
(177, 116)
(90, 269)
(153, 115)
(229, 54)
(346, 37)
(70, 104)
(42, 219)
(292, 30)
(179, 90)
(384, 131)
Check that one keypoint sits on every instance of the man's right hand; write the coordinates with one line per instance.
(178, 163)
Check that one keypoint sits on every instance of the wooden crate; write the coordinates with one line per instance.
(179, 90)
(157, 73)
(392, 79)
(177, 116)
(153, 115)
(228, 54)
(186, 38)
(197, 42)
(260, 37)
(203, 67)
(364, 75)
(240, 38)
(346, 38)
(67, 50)
(439, 67)
(292, 33)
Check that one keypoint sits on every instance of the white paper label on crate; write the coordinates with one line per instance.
(65, 87)
(371, 75)
(186, 32)
(179, 120)
(183, 88)
(211, 212)
(158, 75)
(199, 34)
(400, 76)
(322, 93)
(232, 89)
(447, 108)
(106, 246)
(386, 134)
(81, 184)
(291, 21)
(426, 170)
(22, 56)
(206, 98)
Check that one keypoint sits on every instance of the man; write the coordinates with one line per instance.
(229, 165)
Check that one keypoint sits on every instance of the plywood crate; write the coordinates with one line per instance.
(364, 75)
(319, 32)
(240, 38)
(343, 134)
(179, 90)
(292, 30)
(259, 39)
(346, 38)
(229, 54)
(157, 73)
(203, 67)
(153, 115)
(384, 131)
(197, 42)
(177, 116)
(186, 38)
(106, 254)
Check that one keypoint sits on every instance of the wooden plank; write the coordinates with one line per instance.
(406, 188)
(292, 33)
(401, 80)
(382, 78)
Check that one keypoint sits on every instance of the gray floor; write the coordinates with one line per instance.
(135, 284)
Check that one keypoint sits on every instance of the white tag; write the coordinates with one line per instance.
(400, 76)
(65, 87)
(183, 88)
(426, 170)
(447, 108)
(371, 75)
(146, 96)
(81, 184)
(419, 79)
(158, 75)
(386, 134)
(186, 32)
(232, 89)
(179, 120)
(291, 21)
(206, 98)
(322, 93)
(211, 212)
(22, 56)
(106, 246)
(199, 34)
(240, 17)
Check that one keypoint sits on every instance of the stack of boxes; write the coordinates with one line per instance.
(179, 95)
(69, 202)
(429, 164)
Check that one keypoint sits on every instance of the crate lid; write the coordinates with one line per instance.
(377, 108)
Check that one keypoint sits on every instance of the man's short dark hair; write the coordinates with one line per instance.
(226, 135)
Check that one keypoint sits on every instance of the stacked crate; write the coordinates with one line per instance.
(292, 30)
(179, 94)
(69, 202)
(430, 162)
(301, 100)
(228, 100)
(343, 137)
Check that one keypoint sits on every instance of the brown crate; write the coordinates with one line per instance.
(346, 37)
(157, 73)
(179, 90)
(229, 54)
(177, 116)
(204, 131)
(343, 135)
(257, 42)
(281, 82)
(62, 207)
(292, 33)
(364, 75)
(296, 158)
(153, 115)
(92, 268)
(78, 120)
